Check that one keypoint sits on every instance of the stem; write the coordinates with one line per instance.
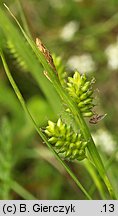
(18, 189)
(86, 133)
(39, 130)
(74, 109)
(23, 18)
(99, 184)
(21, 191)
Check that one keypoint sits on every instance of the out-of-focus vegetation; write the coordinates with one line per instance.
(84, 34)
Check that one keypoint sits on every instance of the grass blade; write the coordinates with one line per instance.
(74, 109)
(39, 130)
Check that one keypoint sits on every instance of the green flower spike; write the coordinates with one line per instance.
(66, 141)
(80, 89)
(10, 48)
(60, 69)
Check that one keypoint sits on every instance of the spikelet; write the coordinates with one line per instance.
(60, 69)
(16, 56)
(65, 141)
(80, 89)
(46, 53)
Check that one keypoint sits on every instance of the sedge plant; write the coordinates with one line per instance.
(69, 138)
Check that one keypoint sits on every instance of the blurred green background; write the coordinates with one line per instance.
(85, 34)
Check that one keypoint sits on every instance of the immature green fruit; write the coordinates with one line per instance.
(66, 142)
(80, 89)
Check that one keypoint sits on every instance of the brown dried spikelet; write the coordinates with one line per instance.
(46, 53)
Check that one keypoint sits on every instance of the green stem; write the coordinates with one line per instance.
(23, 18)
(83, 126)
(86, 133)
(39, 130)
(21, 191)
(11, 184)
(93, 173)
(107, 165)
(75, 111)
(111, 159)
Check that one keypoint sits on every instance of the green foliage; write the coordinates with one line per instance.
(18, 177)
(23, 51)
(40, 109)
(21, 99)
(5, 158)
